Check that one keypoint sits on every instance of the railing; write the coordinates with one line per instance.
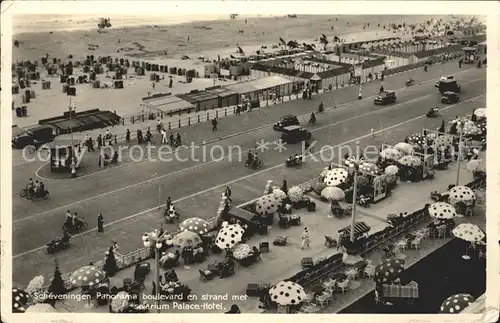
(310, 276)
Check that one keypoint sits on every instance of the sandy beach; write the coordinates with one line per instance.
(154, 39)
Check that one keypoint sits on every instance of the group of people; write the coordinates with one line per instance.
(252, 159)
(72, 221)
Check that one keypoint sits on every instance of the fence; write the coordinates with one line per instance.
(327, 266)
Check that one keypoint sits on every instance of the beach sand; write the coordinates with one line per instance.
(206, 38)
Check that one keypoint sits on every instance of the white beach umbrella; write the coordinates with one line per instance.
(287, 293)
(267, 204)
(229, 235)
(335, 177)
(295, 194)
(461, 193)
(41, 308)
(391, 170)
(404, 148)
(441, 210)
(390, 153)
(333, 193)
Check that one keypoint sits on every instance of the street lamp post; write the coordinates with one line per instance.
(460, 125)
(354, 164)
(73, 159)
(156, 241)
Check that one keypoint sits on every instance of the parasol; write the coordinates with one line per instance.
(404, 148)
(443, 141)
(473, 165)
(441, 210)
(35, 284)
(470, 233)
(482, 126)
(411, 161)
(455, 303)
(267, 204)
(87, 276)
(295, 194)
(186, 239)
(279, 194)
(241, 251)
(388, 270)
(120, 302)
(370, 169)
(461, 194)
(195, 225)
(390, 153)
(481, 113)
(335, 177)
(418, 139)
(19, 300)
(229, 236)
(287, 293)
(431, 136)
(391, 170)
(41, 308)
(333, 194)
(471, 129)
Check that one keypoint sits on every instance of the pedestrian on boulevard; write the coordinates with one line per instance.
(306, 239)
(238, 110)
(171, 139)
(127, 135)
(163, 136)
(99, 141)
(214, 124)
(100, 223)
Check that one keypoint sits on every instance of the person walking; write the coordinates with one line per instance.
(214, 124)
(100, 223)
(306, 239)
(127, 135)
(163, 136)
(171, 139)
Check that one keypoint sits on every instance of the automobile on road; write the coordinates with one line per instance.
(295, 134)
(285, 121)
(386, 97)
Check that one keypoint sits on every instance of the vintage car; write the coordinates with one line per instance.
(449, 97)
(295, 134)
(448, 85)
(33, 136)
(385, 97)
(285, 121)
(444, 78)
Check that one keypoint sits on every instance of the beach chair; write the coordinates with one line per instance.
(344, 285)
(441, 232)
(369, 270)
(416, 242)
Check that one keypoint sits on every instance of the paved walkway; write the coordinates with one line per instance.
(278, 264)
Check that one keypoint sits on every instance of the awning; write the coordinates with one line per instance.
(359, 228)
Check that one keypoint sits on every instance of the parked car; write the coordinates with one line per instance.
(449, 85)
(449, 97)
(295, 134)
(386, 97)
(33, 136)
(285, 121)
